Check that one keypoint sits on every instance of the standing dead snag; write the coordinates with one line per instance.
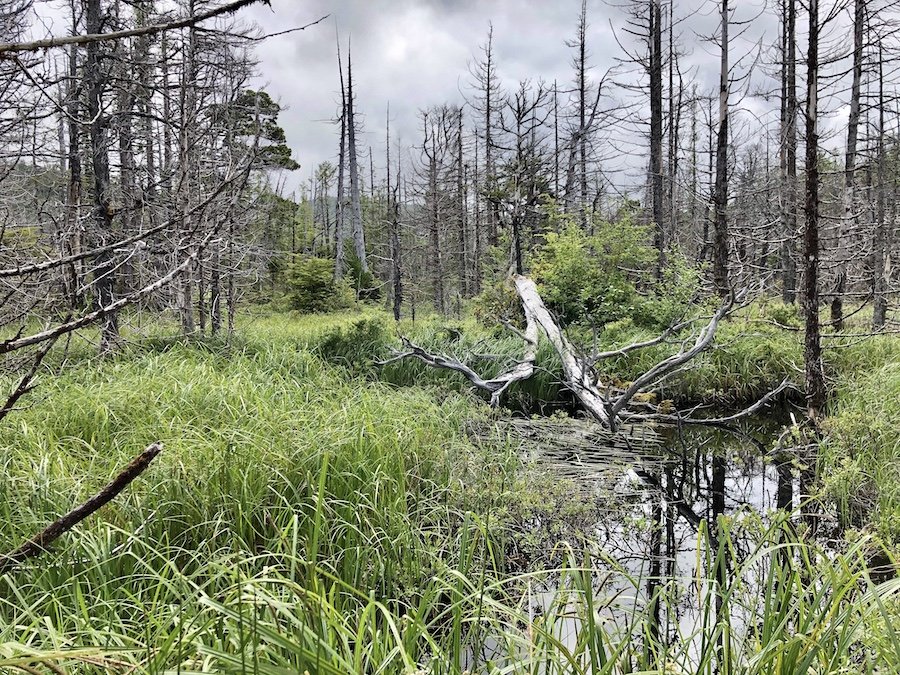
(39, 542)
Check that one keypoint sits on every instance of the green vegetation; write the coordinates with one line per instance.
(305, 516)
(313, 288)
(861, 455)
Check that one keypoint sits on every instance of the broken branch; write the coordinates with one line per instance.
(39, 542)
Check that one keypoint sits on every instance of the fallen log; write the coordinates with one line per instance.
(605, 404)
(38, 543)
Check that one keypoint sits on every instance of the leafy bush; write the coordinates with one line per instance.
(312, 287)
(355, 346)
(580, 279)
(363, 282)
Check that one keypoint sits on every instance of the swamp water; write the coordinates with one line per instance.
(655, 494)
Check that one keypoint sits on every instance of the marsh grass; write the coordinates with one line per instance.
(308, 516)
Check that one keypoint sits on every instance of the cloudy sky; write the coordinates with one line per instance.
(416, 53)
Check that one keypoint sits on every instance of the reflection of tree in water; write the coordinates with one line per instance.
(651, 531)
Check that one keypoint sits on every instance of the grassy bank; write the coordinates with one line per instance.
(861, 453)
(309, 516)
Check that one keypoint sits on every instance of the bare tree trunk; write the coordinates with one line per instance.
(167, 114)
(675, 109)
(73, 193)
(720, 196)
(393, 198)
(104, 271)
(186, 166)
(879, 244)
(582, 114)
(461, 215)
(356, 221)
(789, 154)
(477, 236)
(215, 301)
(396, 276)
(849, 220)
(434, 224)
(126, 105)
(339, 227)
(815, 376)
(144, 103)
(656, 134)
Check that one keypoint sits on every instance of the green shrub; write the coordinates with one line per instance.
(580, 276)
(313, 287)
(363, 282)
(355, 346)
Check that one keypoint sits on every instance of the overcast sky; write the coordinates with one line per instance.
(416, 53)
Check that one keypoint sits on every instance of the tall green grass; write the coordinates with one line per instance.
(306, 516)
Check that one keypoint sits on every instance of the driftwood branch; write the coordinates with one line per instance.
(39, 543)
(579, 376)
(607, 407)
(672, 363)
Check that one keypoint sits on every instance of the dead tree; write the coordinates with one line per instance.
(356, 221)
(720, 192)
(788, 151)
(340, 237)
(849, 217)
(487, 101)
(656, 133)
(104, 273)
(604, 403)
(815, 376)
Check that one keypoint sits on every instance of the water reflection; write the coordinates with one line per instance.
(655, 493)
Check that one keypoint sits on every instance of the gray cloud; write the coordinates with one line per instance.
(413, 54)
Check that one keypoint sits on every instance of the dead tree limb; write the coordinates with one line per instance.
(682, 418)
(578, 373)
(523, 369)
(184, 22)
(26, 384)
(38, 544)
(579, 376)
(672, 363)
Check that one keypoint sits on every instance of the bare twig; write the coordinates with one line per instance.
(26, 383)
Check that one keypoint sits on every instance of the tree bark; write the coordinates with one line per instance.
(104, 270)
(720, 197)
(656, 134)
(815, 376)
